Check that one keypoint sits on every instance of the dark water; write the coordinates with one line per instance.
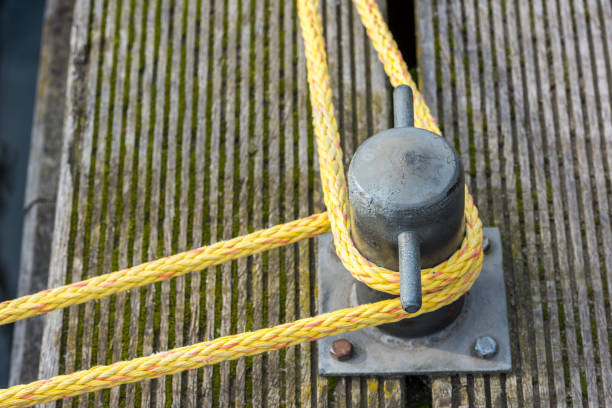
(20, 31)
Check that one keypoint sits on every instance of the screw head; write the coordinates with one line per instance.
(485, 347)
(486, 244)
(341, 350)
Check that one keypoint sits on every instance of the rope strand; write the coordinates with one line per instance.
(162, 269)
(201, 354)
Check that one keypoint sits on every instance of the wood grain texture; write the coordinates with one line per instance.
(42, 182)
(527, 86)
(189, 122)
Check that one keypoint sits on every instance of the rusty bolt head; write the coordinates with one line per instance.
(341, 350)
(486, 244)
(485, 347)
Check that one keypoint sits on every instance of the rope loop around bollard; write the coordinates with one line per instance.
(441, 284)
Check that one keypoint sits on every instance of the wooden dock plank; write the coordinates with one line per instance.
(273, 178)
(596, 240)
(42, 182)
(229, 199)
(78, 188)
(133, 209)
(258, 41)
(555, 169)
(182, 387)
(305, 189)
(121, 194)
(93, 335)
(491, 158)
(150, 88)
(198, 184)
(290, 207)
(556, 378)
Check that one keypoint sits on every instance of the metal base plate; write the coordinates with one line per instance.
(448, 351)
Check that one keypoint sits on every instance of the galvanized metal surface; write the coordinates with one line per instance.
(406, 179)
(408, 243)
(403, 107)
(406, 199)
(448, 351)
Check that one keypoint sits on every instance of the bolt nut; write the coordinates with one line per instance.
(485, 347)
(341, 350)
(486, 244)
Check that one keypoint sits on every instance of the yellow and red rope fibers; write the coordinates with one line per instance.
(163, 268)
(461, 268)
(442, 284)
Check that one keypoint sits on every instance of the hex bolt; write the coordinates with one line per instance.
(485, 347)
(341, 350)
(486, 244)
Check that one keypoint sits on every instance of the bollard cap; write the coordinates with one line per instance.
(406, 179)
(403, 169)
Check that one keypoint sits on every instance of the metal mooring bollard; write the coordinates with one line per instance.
(406, 209)
(406, 194)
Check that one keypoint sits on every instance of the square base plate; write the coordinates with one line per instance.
(448, 351)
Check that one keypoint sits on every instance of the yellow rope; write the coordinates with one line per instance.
(206, 353)
(461, 269)
(162, 269)
(442, 284)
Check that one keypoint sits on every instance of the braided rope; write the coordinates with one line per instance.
(162, 269)
(206, 353)
(442, 284)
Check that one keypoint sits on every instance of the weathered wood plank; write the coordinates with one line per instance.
(491, 141)
(547, 262)
(94, 256)
(77, 102)
(245, 180)
(595, 22)
(228, 143)
(596, 239)
(197, 183)
(122, 193)
(213, 133)
(555, 169)
(176, 162)
(182, 388)
(305, 186)
(133, 209)
(42, 182)
(273, 175)
(477, 142)
(259, 372)
(289, 254)
(575, 149)
(425, 36)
